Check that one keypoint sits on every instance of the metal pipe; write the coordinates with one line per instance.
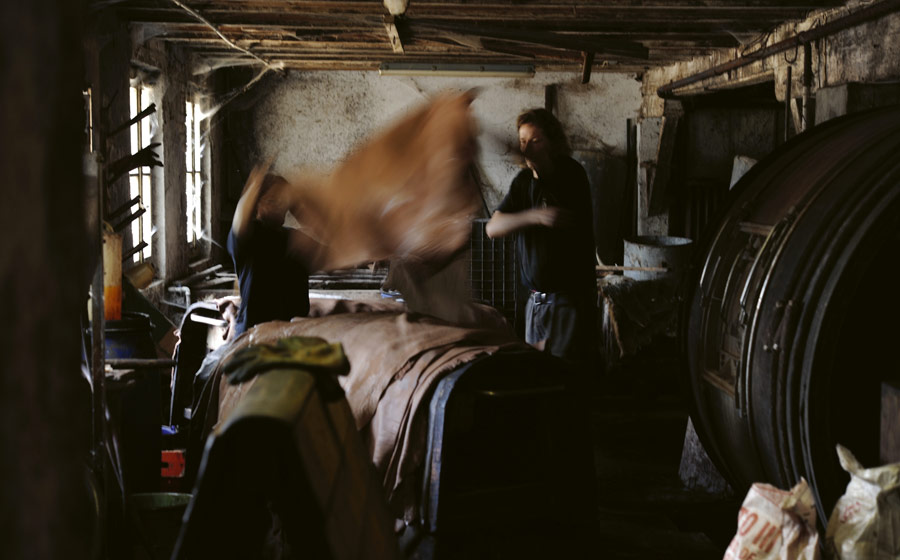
(807, 86)
(864, 15)
(185, 291)
(138, 363)
(197, 318)
(586, 66)
(173, 304)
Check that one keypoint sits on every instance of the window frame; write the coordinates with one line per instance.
(196, 212)
(140, 179)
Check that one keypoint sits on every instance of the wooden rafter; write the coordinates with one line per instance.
(635, 34)
(390, 24)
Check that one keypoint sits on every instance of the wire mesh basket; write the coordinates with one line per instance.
(492, 270)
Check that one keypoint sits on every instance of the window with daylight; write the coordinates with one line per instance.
(194, 187)
(88, 121)
(139, 177)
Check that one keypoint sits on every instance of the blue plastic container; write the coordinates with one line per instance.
(130, 337)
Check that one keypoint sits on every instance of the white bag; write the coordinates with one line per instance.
(776, 524)
(865, 523)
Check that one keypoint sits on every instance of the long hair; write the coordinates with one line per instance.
(550, 125)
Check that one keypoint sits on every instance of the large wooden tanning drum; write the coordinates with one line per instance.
(792, 319)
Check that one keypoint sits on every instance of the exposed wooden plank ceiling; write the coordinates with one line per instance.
(623, 35)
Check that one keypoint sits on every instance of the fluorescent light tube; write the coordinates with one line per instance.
(459, 70)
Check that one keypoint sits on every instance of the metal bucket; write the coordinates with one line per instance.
(130, 337)
(135, 406)
(671, 255)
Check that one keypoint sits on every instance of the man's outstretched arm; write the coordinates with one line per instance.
(502, 224)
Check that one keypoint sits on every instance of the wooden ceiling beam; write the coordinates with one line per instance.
(634, 33)
(711, 40)
(645, 4)
(429, 50)
(349, 50)
(256, 14)
(344, 42)
(569, 42)
(581, 12)
(367, 6)
(344, 65)
(393, 33)
(586, 67)
(773, 8)
(494, 53)
(558, 33)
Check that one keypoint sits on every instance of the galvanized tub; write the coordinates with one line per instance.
(665, 257)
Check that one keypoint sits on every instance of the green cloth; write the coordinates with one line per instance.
(311, 354)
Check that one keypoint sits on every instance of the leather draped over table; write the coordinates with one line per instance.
(396, 358)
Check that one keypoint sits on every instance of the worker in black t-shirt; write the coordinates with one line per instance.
(274, 283)
(549, 208)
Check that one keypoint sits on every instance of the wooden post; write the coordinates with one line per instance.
(44, 400)
(550, 98)
(665, 152)
(587, 63)
(890, 423)
(390, 25)
(174, 260)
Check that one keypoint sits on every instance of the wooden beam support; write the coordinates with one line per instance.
(890, 422)
(49, 252)
(660, 182)
(627, 49)
(797, 114)
(390, 24)
(586, 66)
(328, 24)
(633, 33)
(550, 96)
(224, 12)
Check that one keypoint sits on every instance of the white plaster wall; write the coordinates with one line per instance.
(315, 118)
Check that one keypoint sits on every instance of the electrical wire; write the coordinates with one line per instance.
(230, 43)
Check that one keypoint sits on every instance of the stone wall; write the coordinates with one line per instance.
(868, 54)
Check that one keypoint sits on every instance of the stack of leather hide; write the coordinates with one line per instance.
(396, 358)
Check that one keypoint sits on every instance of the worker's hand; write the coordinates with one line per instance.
(245, 211)
(311, 354)
(552, 217)
(229, 306)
